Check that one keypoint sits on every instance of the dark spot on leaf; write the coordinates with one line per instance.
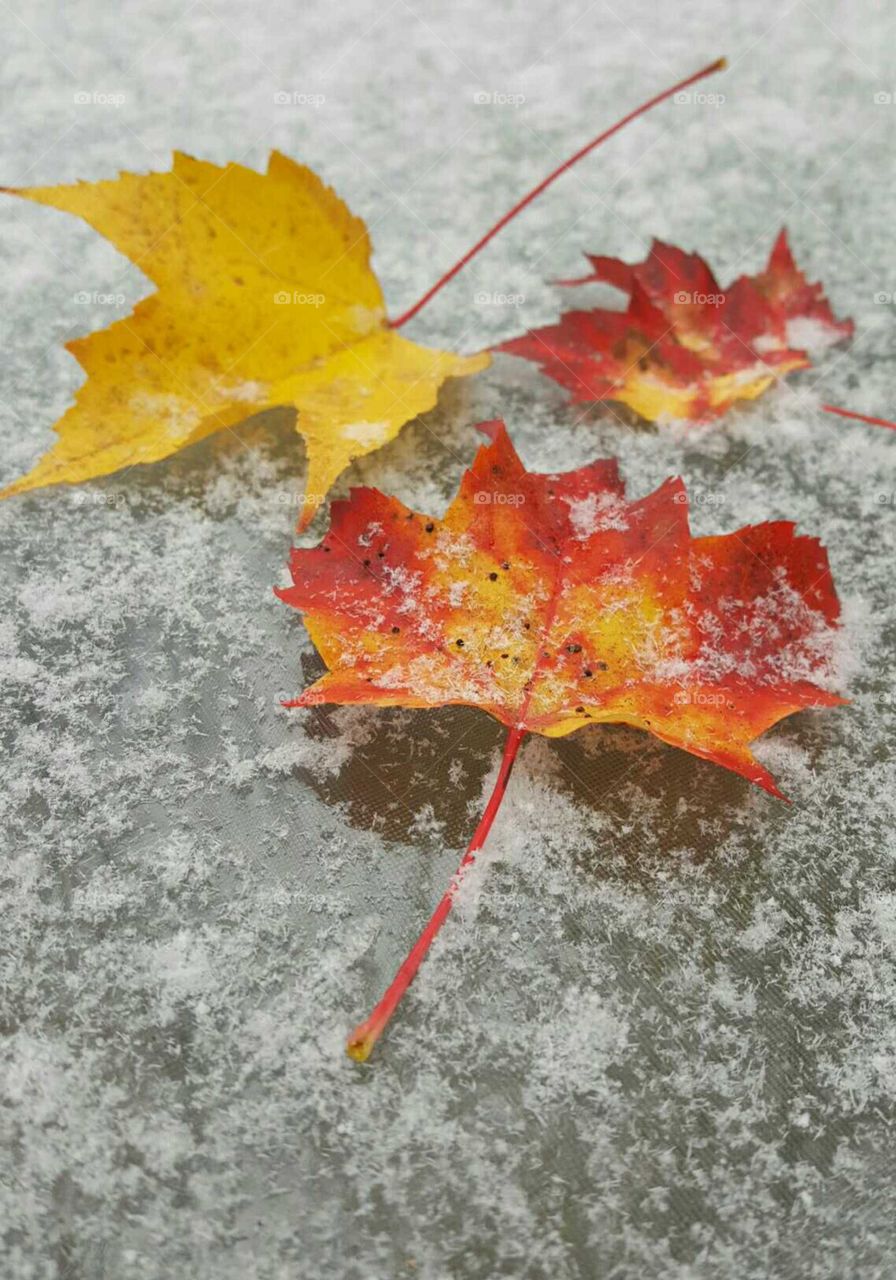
(493, 577)
(459, 643)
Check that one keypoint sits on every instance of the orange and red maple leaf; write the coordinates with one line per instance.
(685, 347)
(553, 602)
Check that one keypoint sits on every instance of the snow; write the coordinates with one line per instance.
(655, 1040)
(805, 333)
(595, 513)
(366, 433)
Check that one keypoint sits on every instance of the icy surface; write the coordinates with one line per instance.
(657, 1039)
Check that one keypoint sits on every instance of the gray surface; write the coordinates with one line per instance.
(657, 1038)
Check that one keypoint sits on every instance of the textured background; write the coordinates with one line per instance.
(657, 1038)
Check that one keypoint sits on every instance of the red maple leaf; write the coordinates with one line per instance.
(552, 602)
(685, 347)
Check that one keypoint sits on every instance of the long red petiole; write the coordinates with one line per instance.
(718, 65)
(859, 417)
(365, 1035)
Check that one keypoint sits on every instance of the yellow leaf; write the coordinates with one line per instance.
(265, 298)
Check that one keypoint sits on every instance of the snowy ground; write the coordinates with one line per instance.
(657, 1040)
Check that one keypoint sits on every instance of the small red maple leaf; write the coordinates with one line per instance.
(685, 347)
(553, 602)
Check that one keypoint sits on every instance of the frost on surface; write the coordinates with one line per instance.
(655, 1042)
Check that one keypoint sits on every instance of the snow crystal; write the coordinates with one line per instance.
(807, 333)
(366, 433)
(169, 411)
(596, 513)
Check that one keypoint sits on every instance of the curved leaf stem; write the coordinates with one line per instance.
(718, 65)
(365, 1035)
